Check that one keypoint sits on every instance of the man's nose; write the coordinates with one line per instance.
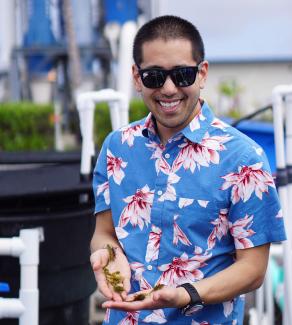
(169, 87)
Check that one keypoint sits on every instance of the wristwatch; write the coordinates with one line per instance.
(196, 302)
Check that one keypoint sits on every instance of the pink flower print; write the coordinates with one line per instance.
(249, 179)
(138, 209)
(114, 167)
(227, 308)
(203, 203)
(104, 188)
(259, 151)
(156, 317)
(194, 155)
(149, 124)
(175, 138)
(240, 234)
(202, 323)
(216, 123)
(178, 234)
(182, 269)
(107, 315)
(195, 123)
(138, 269)
(170, 193)
(153, 244)
(131, 318)
(198, 250)
(144, 284)
(121, 233)
(184, 202)
(220, 228)
(129, 134)
(280, 214)
(160, 163)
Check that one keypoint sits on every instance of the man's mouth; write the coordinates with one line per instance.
(169, 106)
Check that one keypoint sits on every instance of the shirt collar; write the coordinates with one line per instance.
(194, 131)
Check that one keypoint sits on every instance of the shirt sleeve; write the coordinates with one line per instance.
(100, 180)
(255, 215)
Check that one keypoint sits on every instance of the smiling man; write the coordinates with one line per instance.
(186, 207)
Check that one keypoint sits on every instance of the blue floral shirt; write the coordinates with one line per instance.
(181, 210)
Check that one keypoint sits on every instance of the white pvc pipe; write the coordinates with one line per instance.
(125, 61)
(269, 297)
(253, 317)
(278, 128)
(278, 93)
(7, 37)
(288, 104)
(260, 303)
(119, 111)
(11, 308)
(26, 247)
(264, 295)
(29, 261)
(11, 246)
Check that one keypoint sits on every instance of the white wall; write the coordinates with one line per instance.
(256, 79)
(237, 30)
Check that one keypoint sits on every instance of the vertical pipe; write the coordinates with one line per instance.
(282, 180)
(260, 303)
(115, 114)
(29, 293)
(269, 297)
(125, 61)
(118, 102)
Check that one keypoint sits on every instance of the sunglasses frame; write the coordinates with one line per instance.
(165, 73)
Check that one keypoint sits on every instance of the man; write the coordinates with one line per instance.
(183, 199)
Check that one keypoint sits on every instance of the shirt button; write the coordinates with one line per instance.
(167, 155)
(159, 192)
(149, 267)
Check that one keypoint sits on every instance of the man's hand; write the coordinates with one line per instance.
(100, 259)
(163, 298)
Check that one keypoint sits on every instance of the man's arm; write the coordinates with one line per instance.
(246, 274)
(104, 234)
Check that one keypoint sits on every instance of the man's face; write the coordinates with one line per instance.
(173, 107)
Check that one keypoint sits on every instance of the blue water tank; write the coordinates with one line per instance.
(43, 21)
(4, 287)
(120, 11)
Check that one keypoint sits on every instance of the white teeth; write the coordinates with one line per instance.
(169, 104)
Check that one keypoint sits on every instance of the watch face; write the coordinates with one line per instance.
(189, 310)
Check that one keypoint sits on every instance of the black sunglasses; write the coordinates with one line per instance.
(181, 77)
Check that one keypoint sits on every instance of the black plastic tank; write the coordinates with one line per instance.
(44, 190)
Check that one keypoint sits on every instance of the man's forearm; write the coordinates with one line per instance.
(104, 233)
(245, 275)
(100, 241)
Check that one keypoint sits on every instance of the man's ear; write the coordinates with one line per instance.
(203, 74)
(136, 78)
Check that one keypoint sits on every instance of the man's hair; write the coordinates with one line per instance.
(167, 28)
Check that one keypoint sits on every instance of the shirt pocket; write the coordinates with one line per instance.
(192, 222)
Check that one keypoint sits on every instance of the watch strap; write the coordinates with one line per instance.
(195, 301)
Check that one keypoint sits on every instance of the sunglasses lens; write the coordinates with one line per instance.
(153, 78)
(184, 77)
(181, 77)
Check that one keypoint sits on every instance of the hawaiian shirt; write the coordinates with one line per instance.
(181, 210)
